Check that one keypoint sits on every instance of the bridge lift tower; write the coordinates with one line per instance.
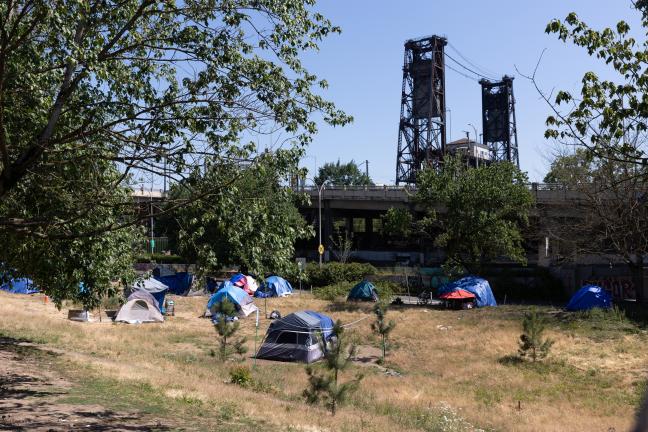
(498, 120)
(422, 128)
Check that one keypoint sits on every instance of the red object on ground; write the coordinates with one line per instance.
(457, 295)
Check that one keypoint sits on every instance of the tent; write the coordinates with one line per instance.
(179, 283)
(154, 287)
(274, 286)
(296, 337)
(459, 299)
(475, 285)
(141, 307)
(19, 286)
(241, 300)
(589, 297)
(364, 291)
(246, 283)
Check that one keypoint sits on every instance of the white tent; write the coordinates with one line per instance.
(137, 311)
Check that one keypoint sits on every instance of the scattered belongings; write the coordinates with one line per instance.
(239, 298)
(363, 291)
(19, 286)
(274, 286)
(296, 337)
(475, 285)
(590, 297)
(141, 307)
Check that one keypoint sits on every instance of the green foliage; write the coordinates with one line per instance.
(161, 259)
(397, 222)
(339, 174)
(485, 210)
(381, 326)
(333, 273)
(241, 375)
(226, 330)
(386, 289)
(324, 385)
(609, 115)
(253, 223)
(93, 97)
(532, 342)
(333, 292)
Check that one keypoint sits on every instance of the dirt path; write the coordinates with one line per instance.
(30, 393)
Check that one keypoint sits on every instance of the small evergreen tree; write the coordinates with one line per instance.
(381, 326)
(226, 329)
(323, 381)
(532, 343)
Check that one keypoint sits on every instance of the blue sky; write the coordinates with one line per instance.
(363, 66)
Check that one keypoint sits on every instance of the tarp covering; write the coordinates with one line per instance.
(156, 288)
(458, 294)
(274, 286)
(137, 311)
(364, 291)
(474, 284)
(589, 297)
(179, 283)
(295, 337)
(241, 300)
(19, 286)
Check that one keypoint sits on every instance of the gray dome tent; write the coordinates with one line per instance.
(296, 337)
(141, 307)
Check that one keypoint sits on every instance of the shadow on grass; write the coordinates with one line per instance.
(343, 306)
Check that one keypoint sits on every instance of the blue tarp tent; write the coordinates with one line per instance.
(326, 323)
(19, 286)
(364, 291)
(589, 297)
(241, 300)
(178, 283)
(474, 284)
(274, 286)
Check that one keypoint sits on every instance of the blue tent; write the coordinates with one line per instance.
(589, 297)
(241, 300)
(274, 286)
(364, 291)
(178, 283)
(19, 286)
(474, 284)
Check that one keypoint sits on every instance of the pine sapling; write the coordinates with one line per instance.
(532, 343)
(226, 329)
(323, 381)
(382, 327)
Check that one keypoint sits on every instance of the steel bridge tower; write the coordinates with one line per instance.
(422, 128)
(498, 120)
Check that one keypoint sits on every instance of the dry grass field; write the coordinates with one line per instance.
(456, 370)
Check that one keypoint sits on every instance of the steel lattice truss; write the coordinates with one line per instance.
(422, 129)
(498, 117)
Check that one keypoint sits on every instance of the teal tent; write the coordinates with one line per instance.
(364, 291)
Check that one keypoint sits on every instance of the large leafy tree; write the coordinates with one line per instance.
(475, 214)
(96, 93)
(608, 117)
(609, 218)
(342, 174)
(254, 222)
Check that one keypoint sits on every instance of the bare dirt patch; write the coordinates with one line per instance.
(29, 393)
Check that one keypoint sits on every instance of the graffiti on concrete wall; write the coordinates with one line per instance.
(621, 287)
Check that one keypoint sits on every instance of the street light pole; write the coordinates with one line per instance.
(475, 129)
(319, 224)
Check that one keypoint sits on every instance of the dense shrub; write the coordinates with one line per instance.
(333, 273)
(241, 375)
(161, 259)
(333, 292)
(386, 289)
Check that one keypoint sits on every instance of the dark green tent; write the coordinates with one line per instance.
(364, 291)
